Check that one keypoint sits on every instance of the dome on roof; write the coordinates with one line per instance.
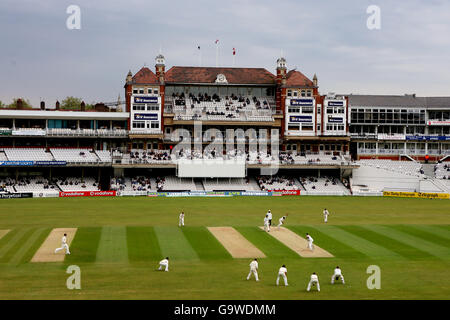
(281, 62)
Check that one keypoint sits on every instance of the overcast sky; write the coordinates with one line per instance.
(41, 58)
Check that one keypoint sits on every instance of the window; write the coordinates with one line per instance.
(329, 110)
(295, 127)
(135, 91)
(154, 125)
(303, 93)
(307, 127)
(309, 93)
(141, 91)
(155, 91)
(289, 93)
(152, 107)
(294, 109)
(138, 124)
(139, 107)
(295, 93)
(149, 90)
(307, 109)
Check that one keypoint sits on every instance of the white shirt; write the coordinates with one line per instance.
(164, 262)
(282, 270)
(254, 265)
(309, 238)
(314, 277)
(325, 212)
(270, 215)
(64, 240)
(282, 218)
(181, 215)
(337, 272)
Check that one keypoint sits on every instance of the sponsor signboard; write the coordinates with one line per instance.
(336, 103)
(50, 163)
(438, 123)
(302, 102)
(428, 138)
(428, 195)
(300, 118)
(335, 119)
(146, 99)
(16, 195)
(70, 194)
(384, 136)
(209, 194)
(287, 192)
(145, 116)
(16, 163)
(28, 133)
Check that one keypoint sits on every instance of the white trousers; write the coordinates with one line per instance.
(312, 282)
(310, 245)
(280, 224)
(284, 277)
(325, 218)
(64, 246)
(255, 273)
(266, 227)
(341, 277)
(181, 222)
(166, 266)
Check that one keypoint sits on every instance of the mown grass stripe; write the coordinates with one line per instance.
(402, 249)
(12, 241)
(367, 247)
(424, 234)
(421, 244)
(332, 245)
(205, 244)
(3, 233)
(174, 244)
(113, 245)
(434, 229)
(84, 246)
(7, 237)
(35, 246)
(25, 247)
(269, 245)
(7, 256)
(142, 244)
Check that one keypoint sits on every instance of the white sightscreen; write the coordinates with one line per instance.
(204, 168)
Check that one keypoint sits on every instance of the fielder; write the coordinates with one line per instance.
(64, 245)
(266, 224)
(164, 263)
(269, 215)
(310, 242)
(253, 269)
(281, 221)
(337, 275)
(282, 273)
(313, 282)
(181, 219)
(325, 215)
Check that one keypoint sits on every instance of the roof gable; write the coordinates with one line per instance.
(209, 75)
(145, 76)
(295, 78)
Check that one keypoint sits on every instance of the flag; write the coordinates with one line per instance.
(234, 51)
(217, 41)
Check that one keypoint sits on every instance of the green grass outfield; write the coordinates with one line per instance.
(120, 241)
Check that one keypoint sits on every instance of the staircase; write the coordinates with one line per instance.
(199, 185)
(428, 169)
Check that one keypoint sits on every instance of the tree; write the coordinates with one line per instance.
(2, 105)
(25, 103)
(71, 103)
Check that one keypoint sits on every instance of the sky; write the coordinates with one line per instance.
(40, 58)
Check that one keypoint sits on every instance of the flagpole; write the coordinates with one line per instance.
(217, 54)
